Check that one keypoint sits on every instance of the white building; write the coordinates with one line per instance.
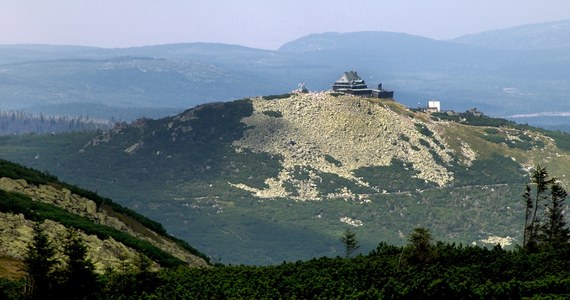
(434, 106)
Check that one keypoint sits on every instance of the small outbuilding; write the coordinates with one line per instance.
(434, 106)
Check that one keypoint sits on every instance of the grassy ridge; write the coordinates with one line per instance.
(15, 171)
(37, 211)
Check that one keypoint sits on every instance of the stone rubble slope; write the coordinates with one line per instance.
(84, 207)
(16, 233)
(357, 132)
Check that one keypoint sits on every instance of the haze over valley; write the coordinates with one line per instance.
(497, 72)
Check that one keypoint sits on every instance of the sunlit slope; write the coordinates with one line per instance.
(116, 237)
(277, 178)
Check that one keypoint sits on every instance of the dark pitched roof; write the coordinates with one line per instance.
(349, 77)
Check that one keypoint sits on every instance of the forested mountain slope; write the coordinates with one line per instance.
(268, 179)
(115, 236)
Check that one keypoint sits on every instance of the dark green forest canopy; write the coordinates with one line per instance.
(388, 272)
(457, 272)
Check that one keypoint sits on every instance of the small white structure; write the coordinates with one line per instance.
(434, 106)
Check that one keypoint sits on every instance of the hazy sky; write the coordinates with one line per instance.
(256, 23)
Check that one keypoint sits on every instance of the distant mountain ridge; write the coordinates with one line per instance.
(473, 71)
(543, 36)
(336, 40)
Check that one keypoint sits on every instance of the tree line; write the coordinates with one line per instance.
(18, 122)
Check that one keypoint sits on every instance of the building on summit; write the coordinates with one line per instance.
(351, 83)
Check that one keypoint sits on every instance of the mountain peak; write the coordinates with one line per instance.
(344, 40)
(551, 35)
(326, 133)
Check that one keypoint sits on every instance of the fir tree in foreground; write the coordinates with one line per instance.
(544, 211)
(80, 280)
(47, 278)
(554, 229)
(39, 264)
(420, 250)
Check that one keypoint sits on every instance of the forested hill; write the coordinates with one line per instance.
(231, 177)
(116, 237)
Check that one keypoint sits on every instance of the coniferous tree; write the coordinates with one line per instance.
(528, 213)
(349, 242)
(79, 272)
(544, 218)
(39, 264)
(420, 249)
(555, 229)
(542, 181)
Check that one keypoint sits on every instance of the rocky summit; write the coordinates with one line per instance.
(316, 133)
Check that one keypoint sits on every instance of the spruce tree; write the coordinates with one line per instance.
(420, 249)
(528, 213)
(39, 264)
(542, 182)
(555, 229)
(544, 217)
(349, 242)
(79, 272)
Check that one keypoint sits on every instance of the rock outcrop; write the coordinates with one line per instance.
(307, 130)
(15, 230)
